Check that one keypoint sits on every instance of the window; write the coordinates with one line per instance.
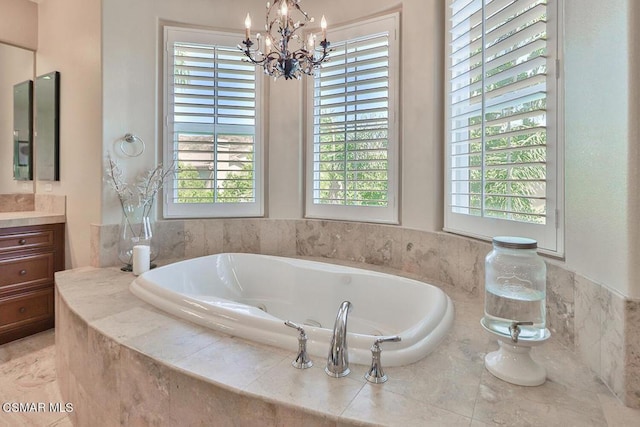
(352, 141)
(212, 126)
(502, 156)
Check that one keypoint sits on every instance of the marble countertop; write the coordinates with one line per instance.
(448, 387)
(20, 219)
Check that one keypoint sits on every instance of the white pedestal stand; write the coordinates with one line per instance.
(513, 363)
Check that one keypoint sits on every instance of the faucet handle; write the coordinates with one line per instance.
(290, 324)
(302, 360)
(376, 373)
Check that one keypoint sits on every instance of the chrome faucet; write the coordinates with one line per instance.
(338, 359)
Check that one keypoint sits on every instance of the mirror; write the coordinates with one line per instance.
(48, 127)
(23, 131)
(16, 66)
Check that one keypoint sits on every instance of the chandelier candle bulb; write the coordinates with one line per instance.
(247, 25)
(311, 43)
(323, 25)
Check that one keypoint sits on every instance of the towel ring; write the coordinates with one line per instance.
(129, 149)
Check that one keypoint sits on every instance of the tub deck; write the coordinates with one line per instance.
(120, 358)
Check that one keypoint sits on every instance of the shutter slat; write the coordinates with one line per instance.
(526, 67)
(512, 42)
(520, 52)
(376, 82)
(361, 76)
(499, 26)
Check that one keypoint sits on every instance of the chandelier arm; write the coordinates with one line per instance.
(269, 7)
(325, 51)
(274, 55)
(306, 17)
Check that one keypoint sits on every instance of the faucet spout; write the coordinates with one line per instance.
(338, 358)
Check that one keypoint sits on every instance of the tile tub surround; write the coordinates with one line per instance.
(602, 325)
(124, 362)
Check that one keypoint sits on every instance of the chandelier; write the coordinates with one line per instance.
(275, 52)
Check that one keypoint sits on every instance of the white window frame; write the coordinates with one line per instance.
(550, 236)
(389, 214)
(209, 210)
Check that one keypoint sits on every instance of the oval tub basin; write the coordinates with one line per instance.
(250, 296)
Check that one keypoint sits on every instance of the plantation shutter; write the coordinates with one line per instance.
(501, 124)
(212, 118)
(353, 137)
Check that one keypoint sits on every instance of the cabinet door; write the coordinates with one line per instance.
(26, 272)
(26, 240)
(19, 311)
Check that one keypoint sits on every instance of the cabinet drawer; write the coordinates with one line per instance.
(26, 270)
(26, 240)
(26, 308)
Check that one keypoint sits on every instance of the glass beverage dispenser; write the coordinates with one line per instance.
(515, 289)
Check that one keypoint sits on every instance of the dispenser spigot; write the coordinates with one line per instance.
(514, 330)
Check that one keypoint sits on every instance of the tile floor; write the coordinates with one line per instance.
(28, 376)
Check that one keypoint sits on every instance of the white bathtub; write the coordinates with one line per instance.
(250, 296)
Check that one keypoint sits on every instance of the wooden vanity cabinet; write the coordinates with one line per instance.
(28, 258)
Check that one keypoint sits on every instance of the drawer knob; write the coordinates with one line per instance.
(22, 241)
(23, 272)
(22, 309)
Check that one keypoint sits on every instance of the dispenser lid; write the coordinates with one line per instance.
(515, 242)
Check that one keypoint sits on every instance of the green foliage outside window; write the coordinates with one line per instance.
(353, 165)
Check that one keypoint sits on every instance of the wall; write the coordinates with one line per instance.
(601, 228)
(19, 23)
(16, 66)
(131, 97)
(600, 240)
(633, 98)
(601, 148)
(69, 42)
(18, 27)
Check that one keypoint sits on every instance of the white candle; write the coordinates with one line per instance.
(141, 259)
(247, 26)
(323, 25)
(311, 43)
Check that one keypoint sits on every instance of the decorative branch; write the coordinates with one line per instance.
(147, 186)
